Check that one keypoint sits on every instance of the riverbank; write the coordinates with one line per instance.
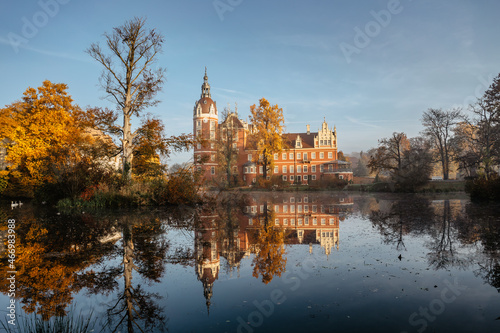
(441, 186)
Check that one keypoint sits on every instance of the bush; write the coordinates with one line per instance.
(181, 188)
(481, 189)
(328, 182)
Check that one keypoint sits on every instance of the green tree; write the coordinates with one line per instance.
(128, 78)
(268, 124)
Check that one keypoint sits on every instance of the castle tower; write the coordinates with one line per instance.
(205, 123)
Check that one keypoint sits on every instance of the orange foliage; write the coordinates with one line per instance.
(41, 130)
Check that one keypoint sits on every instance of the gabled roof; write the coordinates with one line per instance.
(307, 139)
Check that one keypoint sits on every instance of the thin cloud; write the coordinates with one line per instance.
(28, 48)
(358, 122)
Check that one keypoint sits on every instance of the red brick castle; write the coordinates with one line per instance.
(309, 156)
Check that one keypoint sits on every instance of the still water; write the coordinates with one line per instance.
(263, 262)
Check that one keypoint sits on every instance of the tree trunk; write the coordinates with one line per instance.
(127, 147)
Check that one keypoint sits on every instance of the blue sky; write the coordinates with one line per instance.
(368, 67)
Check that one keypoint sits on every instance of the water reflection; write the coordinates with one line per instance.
(122, 254)
(459, 233)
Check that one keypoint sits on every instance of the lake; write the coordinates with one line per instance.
(261, 262)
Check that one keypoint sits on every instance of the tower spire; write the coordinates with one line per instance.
(205, 88)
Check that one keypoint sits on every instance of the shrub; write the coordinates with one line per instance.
(482, 189)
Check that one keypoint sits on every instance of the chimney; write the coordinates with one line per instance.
(308, 129)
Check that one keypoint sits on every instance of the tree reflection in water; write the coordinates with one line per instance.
(61, 255)
(143, 250)
(269, 260)
(461, 233)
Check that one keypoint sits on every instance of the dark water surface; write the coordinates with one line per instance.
(264, 262)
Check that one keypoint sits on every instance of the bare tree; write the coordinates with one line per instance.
(478, 138)
(227, 141)
(127, 77)
(439, 126)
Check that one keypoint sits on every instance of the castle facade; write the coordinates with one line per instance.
(308, 156)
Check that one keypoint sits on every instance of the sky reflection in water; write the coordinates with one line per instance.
(268, 262)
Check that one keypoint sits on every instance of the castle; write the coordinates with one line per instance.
(308, 157)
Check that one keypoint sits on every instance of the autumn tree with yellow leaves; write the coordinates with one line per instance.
(268, 125)
(40, 131)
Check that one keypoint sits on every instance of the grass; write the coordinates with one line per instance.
(60, 324)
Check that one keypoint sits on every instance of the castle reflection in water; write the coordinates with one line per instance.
(234, 230)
